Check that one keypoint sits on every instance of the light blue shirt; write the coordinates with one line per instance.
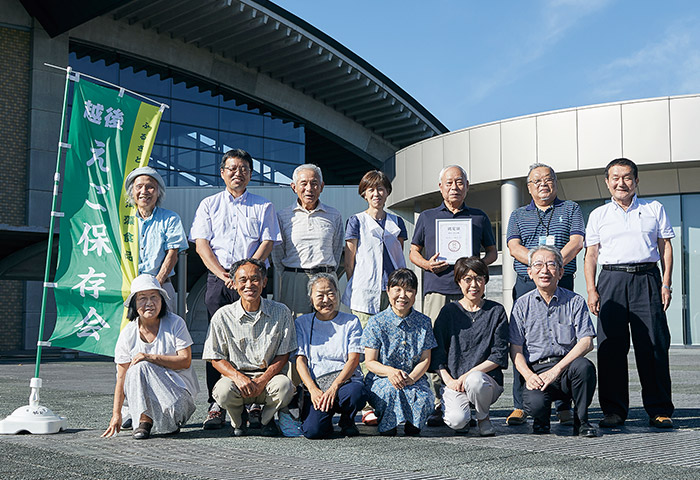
(235, 227)
(549, 330)
(160, 232)
(329, 344)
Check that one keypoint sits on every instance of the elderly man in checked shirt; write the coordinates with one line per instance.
(550, 334)
(249, 343)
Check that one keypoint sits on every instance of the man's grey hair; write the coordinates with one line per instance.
(548, 248)
(541, 165)
(307, 166)
(322, 276)
(442, 172)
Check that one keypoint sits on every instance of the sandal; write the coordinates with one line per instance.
(143, 431)
(369, 418)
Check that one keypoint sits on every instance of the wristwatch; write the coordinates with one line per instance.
(669, 288)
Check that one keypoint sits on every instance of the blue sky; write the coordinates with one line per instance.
(471, 62)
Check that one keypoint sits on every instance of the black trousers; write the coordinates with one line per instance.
(631, 302)
(521, 287)
(576, 382)
(215, 297)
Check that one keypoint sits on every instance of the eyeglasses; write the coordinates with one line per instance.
(479, 279)
(240, 168)
(542, 181)
(540, 265)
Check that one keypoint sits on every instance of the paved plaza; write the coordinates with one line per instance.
(82, 389)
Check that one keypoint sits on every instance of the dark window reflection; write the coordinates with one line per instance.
(199, 127)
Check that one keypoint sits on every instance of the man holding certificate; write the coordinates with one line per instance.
(442, 235)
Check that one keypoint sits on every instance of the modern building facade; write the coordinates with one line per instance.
(659, 134)
(238, 73)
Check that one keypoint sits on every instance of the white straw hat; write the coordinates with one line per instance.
(142, 283)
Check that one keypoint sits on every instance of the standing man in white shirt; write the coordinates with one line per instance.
(312, 239)
(229, 226)
(627, 237)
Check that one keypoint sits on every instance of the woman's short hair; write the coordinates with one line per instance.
(404, 278)
(373, 179)
(322, 276)
(475, 264)
(133, 314)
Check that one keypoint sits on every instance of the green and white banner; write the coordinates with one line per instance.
(110, 134)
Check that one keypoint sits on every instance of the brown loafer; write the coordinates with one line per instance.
(517, 417)
(661, 421)
(612, 420)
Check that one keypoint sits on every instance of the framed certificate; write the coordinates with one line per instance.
(453, 238)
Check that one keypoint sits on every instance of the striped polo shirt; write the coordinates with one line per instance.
(562, 219)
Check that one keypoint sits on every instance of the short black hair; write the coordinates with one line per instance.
(261, 267)
(237, 153)
(404, 278)
(623, 162)
(133, 314)
(475, 264)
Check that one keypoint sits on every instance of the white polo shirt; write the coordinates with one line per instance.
(628, 236)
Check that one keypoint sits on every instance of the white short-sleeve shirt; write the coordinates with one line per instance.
(628, 236)
(172, 336)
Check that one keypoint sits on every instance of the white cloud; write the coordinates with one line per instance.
(668, 65)
(555, 18)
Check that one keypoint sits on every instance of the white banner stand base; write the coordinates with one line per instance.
(32, 418)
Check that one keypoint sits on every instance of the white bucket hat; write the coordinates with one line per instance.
(151, 172)
(142, 283)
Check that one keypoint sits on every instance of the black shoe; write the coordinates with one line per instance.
(539, 428)
(128, 424)
(270, 430)
(349, 430)
(587, 430)
(143, 431)
(612, 420)
(389, 433)
(411, 430)
(435, 418)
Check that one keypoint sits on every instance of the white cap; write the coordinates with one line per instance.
(151, 172)
(142, 283)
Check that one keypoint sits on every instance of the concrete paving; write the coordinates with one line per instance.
(82, 389)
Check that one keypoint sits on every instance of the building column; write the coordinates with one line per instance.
(510, 200)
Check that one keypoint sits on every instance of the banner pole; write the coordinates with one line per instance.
(56, 180)
(35, 418)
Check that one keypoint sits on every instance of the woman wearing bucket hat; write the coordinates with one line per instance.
(153, 358)
(161, 236)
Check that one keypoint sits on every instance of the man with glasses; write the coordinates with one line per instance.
(627, 237)
(547, 220)
(439, 287)
(229, 226)
(550, 334)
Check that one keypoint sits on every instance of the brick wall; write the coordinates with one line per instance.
(14, 105)
(15, 48)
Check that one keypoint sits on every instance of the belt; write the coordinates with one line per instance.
(310, 271)
(552, 359)
(630, 267)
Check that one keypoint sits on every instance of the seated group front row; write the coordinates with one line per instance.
(250, 342)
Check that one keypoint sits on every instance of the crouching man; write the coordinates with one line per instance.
(249, 342)
(550, 334)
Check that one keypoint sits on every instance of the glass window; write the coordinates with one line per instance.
(691, 261)
(194, 114)
(284, 152)
(276, 128)
(142, 83)
(252, 145)
(240, 122)
(180, 91)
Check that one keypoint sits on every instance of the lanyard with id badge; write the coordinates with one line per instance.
(546, 239)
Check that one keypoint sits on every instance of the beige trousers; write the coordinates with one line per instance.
(277, 394)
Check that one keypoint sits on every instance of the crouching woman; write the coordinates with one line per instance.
(153, 358)
(398, 342)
